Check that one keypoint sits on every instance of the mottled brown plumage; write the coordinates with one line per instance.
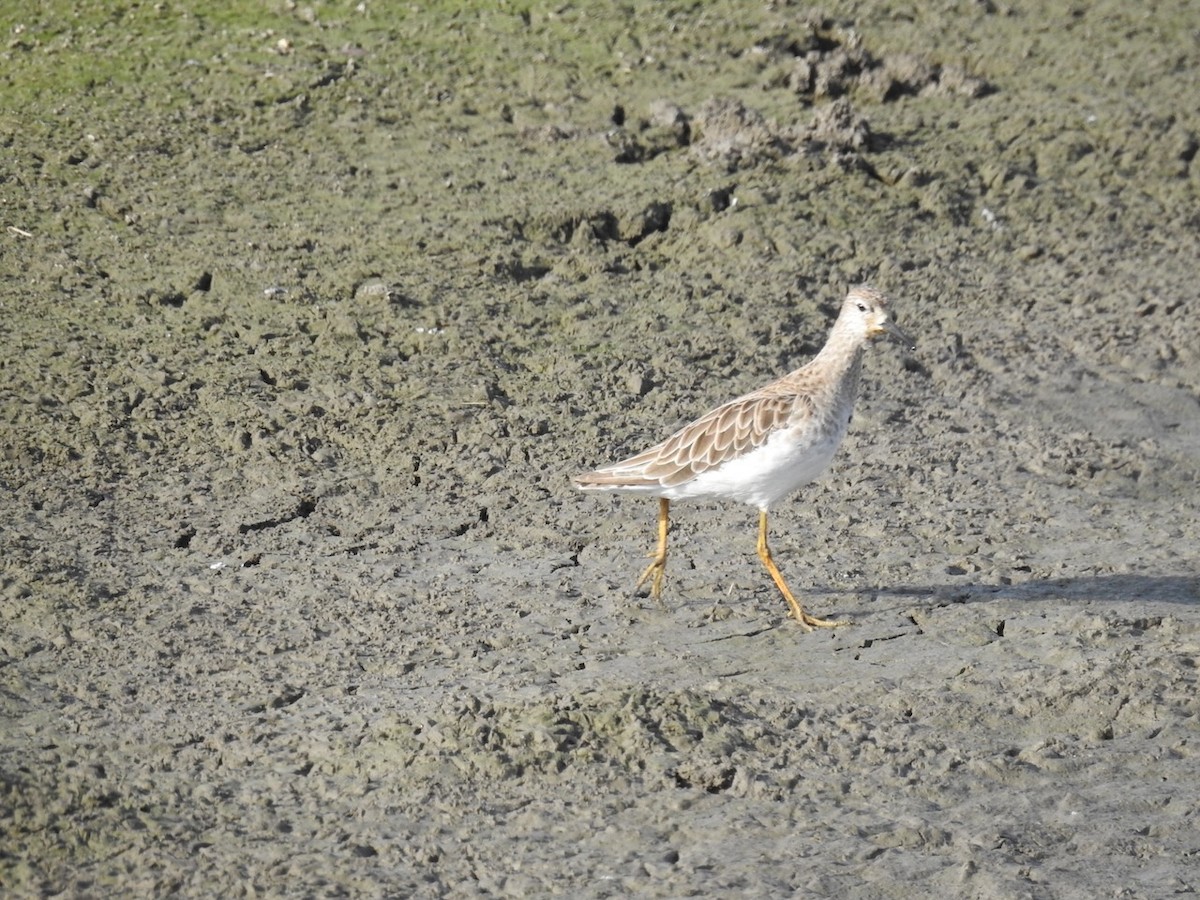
(762, 446)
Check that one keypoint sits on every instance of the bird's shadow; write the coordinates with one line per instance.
(1183, 589)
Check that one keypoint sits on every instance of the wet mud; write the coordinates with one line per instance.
(310, 312)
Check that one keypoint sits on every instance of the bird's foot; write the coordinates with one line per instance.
(654, 573)
(808, 623)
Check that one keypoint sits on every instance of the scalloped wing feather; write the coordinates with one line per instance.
(722, 434)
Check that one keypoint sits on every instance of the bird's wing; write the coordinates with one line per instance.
(704, 444)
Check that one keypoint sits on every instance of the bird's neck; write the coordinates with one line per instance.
(842, 356)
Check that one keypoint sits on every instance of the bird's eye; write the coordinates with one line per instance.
(862, 307)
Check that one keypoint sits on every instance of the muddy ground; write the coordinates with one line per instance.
(311, 311)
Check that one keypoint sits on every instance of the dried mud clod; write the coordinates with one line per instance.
(826, 65)
(823, 59)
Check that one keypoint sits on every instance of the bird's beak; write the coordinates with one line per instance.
(890, 327)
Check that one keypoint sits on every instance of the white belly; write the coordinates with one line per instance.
(766, 474)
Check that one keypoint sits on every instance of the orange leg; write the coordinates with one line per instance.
(807, 622)
(657, 569)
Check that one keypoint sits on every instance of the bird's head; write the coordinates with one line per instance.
(867, 312)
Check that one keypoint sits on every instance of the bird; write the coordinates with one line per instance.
(762, 446)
